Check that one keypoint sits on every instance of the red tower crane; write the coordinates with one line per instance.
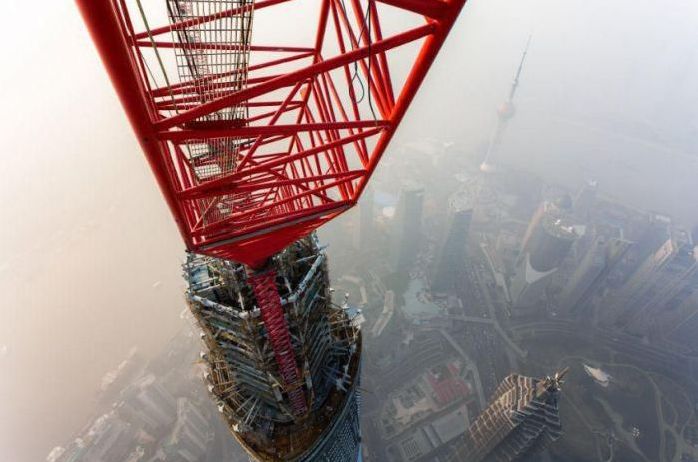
(302, 149)
(254, 145)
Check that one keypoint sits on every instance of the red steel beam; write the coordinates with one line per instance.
(108, 34)
(435, 9)
(301, 74)
(166, 91)
(265, 130)
(245, 190)
(217, 46)
(204, 19)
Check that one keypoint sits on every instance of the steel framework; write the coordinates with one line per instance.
(254, 156)
(286, 381)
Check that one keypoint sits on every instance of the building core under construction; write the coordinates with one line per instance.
(287, 387)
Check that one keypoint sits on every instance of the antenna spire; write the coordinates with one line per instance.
(515, 82)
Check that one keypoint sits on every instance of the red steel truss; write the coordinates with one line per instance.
(256, 155)
(264, 286)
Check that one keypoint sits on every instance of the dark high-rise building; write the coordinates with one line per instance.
(407, 227)
(651, 234)
(547, 242)
(452, 256)
(364, 231)
(659, 287)
(589, 278)
(252, 358)
(148, 404)
(521, 420)
(679, 326)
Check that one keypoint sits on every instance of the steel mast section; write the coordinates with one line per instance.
(303, 142)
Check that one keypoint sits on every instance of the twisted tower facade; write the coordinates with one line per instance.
(521, 420)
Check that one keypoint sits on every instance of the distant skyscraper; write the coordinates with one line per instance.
(679, 326)
(407, 227)
(522, 419)
(653, 233)
(452, 255)
(148, 404)
(589, 278)
(108, 439)
(546, 244)
(585, 199)
(364, 232)
(190, 436)
(664, 281)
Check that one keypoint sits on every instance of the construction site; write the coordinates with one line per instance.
(275, 409)
(254, 145)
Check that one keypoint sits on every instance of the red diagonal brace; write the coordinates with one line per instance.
(264, 287)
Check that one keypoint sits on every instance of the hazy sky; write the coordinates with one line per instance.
(85, 234)
(608, 93)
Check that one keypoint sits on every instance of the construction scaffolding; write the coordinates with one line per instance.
(278, 369)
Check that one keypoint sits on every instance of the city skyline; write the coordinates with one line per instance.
(95, 271)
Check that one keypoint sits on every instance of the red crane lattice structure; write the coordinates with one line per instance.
(253, 156)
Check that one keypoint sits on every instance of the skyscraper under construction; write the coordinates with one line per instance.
(255, 143)
(452, 255)
(288, 386)
(407, 227)
(521, 420)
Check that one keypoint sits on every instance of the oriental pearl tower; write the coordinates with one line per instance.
(504, 113)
